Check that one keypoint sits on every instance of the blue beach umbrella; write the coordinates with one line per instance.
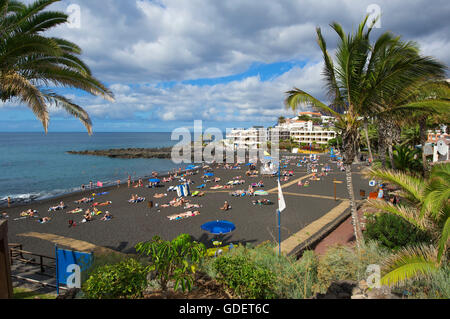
(209, 174)
(190, 167)
(219, 227)
(154, 180)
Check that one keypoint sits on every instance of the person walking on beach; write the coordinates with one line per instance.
(118, 183)
(91, 185)
(129, 181)
(9, 201)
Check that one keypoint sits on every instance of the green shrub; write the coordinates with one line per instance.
(245, 278)
(345, 263)
(293, 279)
(126, 279)
(175, 260)
(392, 231)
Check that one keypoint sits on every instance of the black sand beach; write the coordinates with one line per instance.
(133, 223)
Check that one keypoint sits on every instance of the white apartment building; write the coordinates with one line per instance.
(300, 131)
(315, 135)
(251, 138)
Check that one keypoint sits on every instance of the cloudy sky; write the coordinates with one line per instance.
(228, 63)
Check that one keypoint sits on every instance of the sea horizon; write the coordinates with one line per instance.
(36, 165)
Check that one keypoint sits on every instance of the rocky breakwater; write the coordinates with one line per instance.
(165, 152)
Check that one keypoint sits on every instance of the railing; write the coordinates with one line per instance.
(17, 253)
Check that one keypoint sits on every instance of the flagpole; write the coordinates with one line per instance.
(279, 213)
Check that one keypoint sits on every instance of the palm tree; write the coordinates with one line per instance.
(426, 206)
(363, 75)
(281, 120)
(30, 62)
(424, 98)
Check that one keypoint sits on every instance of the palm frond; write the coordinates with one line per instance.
(70, 107)
(444, 239)
(412, 186)
(408, 264)
(297, 97)
(410, 214)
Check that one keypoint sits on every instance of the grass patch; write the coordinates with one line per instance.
(23, 293)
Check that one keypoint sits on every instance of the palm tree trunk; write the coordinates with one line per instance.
(366, 131)
(391, 155)
(423, 141)
(355, 220)
(348, 141)
(382, 141)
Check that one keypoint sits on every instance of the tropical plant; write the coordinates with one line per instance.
(293, 279)
(406, 159)
(342, 262)
(427, 98)
(175, 260)
(367, 80)
(30, 62)
(425, 204)
(126, 279)
(410, 136)
(281, 120)
(392, 231)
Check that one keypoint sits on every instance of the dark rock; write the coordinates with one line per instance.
(69, 294)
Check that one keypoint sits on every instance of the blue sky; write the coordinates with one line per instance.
(228, 63)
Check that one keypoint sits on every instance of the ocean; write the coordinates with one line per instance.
(35, 166)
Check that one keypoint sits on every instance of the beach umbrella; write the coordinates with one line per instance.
(209, 174)
(261, 193)
(154, 180)
(218, 227)
(190, 167)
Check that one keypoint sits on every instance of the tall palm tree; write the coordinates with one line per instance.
(425, 204)
(31, 63)
(425, 98)
(364, 74)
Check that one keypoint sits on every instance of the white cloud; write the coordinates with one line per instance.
(136, 46)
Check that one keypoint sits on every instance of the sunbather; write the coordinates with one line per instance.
(75, 211)
(107, 216)
(102, 204)
(29, 213)
(61, 206)
(226, 206)
(87, 217)
(44, 220)
(84, 200)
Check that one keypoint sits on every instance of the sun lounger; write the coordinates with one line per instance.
(139, 200)
(55, 208)
(183, 215)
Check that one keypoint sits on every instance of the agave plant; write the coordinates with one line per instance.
(425, 205)
(31, 63)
